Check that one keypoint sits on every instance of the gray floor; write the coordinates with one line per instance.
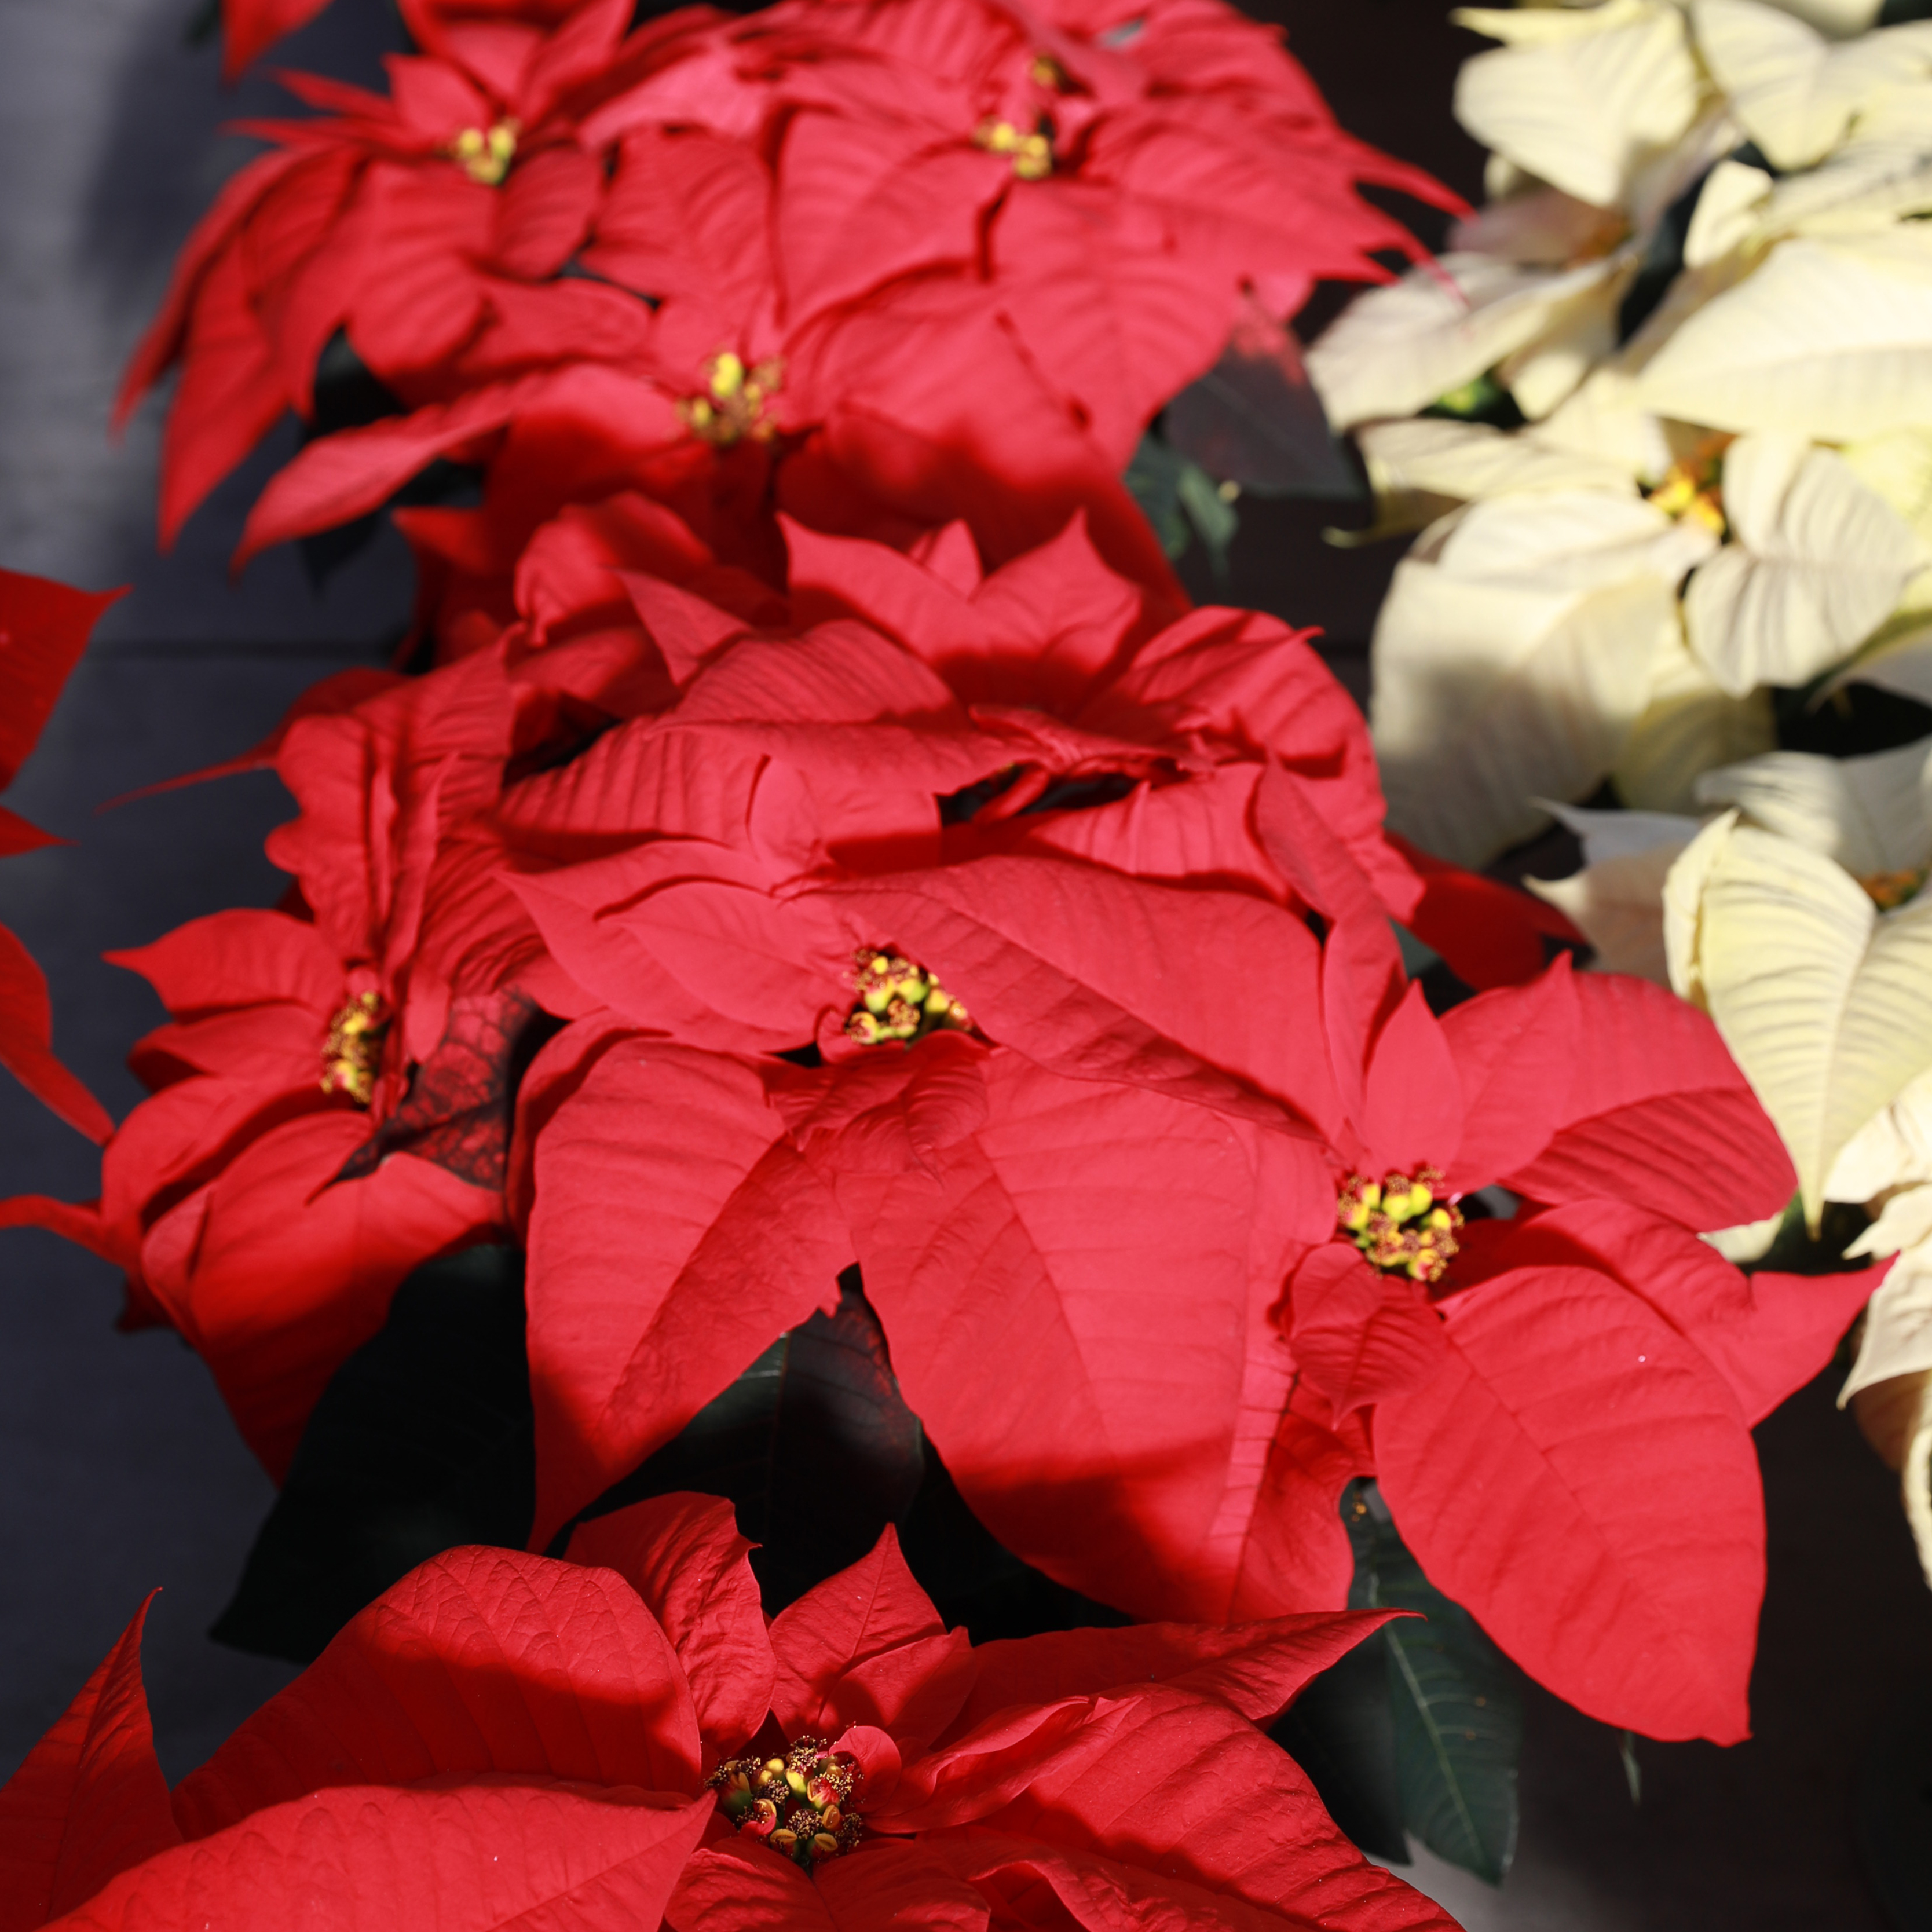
(122, 1472)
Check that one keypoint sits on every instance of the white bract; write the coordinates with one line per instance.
(1699, 297)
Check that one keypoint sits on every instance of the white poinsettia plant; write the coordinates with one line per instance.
(1662, 416)
(1697, 312)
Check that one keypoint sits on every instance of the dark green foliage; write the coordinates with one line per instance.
(423, 1440)
(1438, 1758)
(813, 1444)
(1857, 717)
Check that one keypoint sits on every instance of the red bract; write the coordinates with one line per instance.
(333, 1095)
(834, 239)
(44, 627)
(501, 1735)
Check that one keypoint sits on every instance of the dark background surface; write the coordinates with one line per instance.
(121, 1469)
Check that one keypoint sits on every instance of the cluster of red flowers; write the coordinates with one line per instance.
(883, 263)
(824, 835)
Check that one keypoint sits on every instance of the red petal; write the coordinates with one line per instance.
(545, 212)
(1766, 1334)
(1579, 1478)
(1296, 1553)
(1793, 1331)
(861, 1614)
(478, 1859)
(1412, 1106)
(276, 1277)
(1093, 294)
(1018, 940)
(683, 1556)
(89, 1802)
(241, 957)
(1362, 1337)
(1658, 1112)
(993, 1764)
(1515, 1051)
(26, 1044)
(44, 627)
(1176, 1793)
(675, 1233)
(1362, 980)
(1490, 934)
(1076, 1295)
(249, 28)
(231, 393)
(1257, 1669)
(478, 1662)
(741, 1886)
(840, 178)
(1044, 1889)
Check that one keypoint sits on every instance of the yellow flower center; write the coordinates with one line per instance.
(1887, 889)
(486, 153)
(353, 1049)
(733, 403)
(1046, 71)
(1400, 1223)
(1032, 153)
(799, 1804)
(898, 1000)
(1691, 489)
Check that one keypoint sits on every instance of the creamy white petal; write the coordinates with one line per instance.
(1868, 813)
(1690, 725)
(1617, 905)
(1488, 694)
(1684, 907)
(1793, 90)
(1728, 210)
(1566, 540)
(1829, 340)
(1893, 1149)
(1395, 349)
(1817, 561)
(1620, 835)
(1823, 1005)
(1433, 455)
(1583, 111)
(1898, 1337)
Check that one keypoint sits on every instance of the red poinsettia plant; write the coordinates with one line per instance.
(624, 1738)
(883, 263)
(817, 833)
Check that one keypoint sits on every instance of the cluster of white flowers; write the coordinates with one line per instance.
(1663, 418)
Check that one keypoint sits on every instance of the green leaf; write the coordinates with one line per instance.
(1181, 501)
(1458, 1716)
(1211, 512)
(1794, 1250)
(1341, 1731)
(423, 1440)
(1482, 399)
